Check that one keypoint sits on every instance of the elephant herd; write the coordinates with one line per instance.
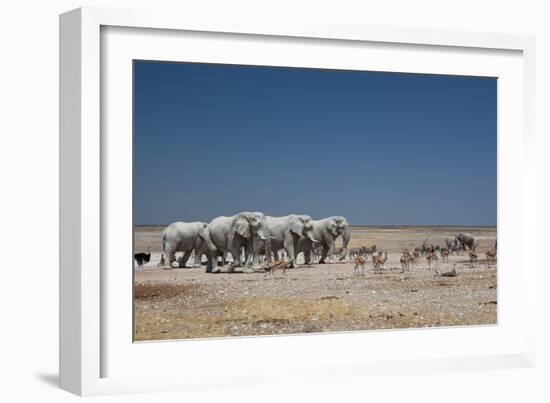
(253, 235)
(465, 242)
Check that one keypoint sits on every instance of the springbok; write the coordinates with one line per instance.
(473, 258)
(360, 265)
(432, 257)
(444, 254)
(406, 260)
(378, 261)
(274, 265)
(491, 256)
(355, 252)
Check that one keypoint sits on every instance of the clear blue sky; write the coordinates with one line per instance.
(378, 148)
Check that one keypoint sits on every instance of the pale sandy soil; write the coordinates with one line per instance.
(189, 303)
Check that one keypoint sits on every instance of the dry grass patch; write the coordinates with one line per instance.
(144, 291)
(292, 310)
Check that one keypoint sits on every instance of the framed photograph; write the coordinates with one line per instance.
(255, 197)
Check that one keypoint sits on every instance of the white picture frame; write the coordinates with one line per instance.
(90, 341)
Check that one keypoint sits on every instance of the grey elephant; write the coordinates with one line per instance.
(466, 240)
(326, 231)
(285, 233)
(232, 234)
(451, 243)
(183, 237)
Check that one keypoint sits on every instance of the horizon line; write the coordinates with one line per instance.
(375, 225)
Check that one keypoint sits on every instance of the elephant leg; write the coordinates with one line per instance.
(252, 254)
(249, 263)
(199, 251)
(237, 258)
(323, 255)
(222, 261)
(198, 258)
(248, 258)
(219, 263)
(256, 259)
(250, 251)
(240, 256)
(289, 248)
(331, 251)
(170, 254)
(185, 258)
(308, 256)
(236, 253)
(211, 256)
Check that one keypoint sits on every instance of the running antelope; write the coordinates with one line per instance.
(378, 261)
(360, 265)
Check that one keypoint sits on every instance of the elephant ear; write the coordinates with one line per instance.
(241, 227)
(297, 225)
(332, 227)
(203, 232)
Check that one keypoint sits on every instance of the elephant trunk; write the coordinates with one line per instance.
(346, 235)
(267, 243)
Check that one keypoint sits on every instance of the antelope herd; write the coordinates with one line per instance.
(432, 254)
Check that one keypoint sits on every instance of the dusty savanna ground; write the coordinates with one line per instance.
(188, 303)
